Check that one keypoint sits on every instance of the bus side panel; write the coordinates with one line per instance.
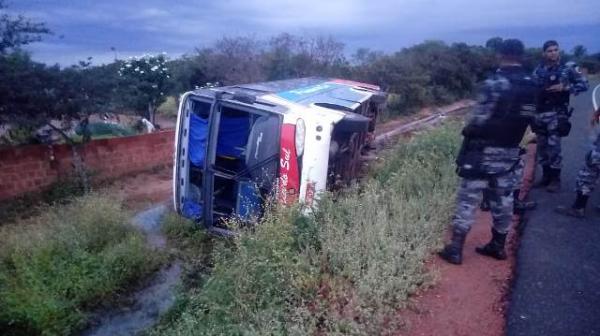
(180, 159)
(315, 159)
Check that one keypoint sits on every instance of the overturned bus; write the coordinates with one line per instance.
(236, 146)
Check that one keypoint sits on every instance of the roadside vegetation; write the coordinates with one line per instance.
(345, 269)
(31, 204)
(55, 267)
(428, 73)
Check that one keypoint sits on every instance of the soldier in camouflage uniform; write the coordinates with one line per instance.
(558, 81)
(490, 152)
(586, 177)
(519, 206)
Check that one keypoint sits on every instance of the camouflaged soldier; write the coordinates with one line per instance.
(490, 152)
(519, 205)
(586, 177)
(558, 81)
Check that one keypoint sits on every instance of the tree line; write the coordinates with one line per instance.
(432, 72)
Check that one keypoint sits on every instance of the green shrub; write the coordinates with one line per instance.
(193, 246)
(255, 283)
(18, 135)
(56, 265)
(168, 108)
(31, 204)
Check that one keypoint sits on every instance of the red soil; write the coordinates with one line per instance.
(144, 189)
(470, 299)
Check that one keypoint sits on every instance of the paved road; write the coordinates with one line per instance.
(557, 285)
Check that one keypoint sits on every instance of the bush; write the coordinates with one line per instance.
(345, 269)
(193, 246)
(168, 108)
(253, 287)
(31, 204)
(55, 266)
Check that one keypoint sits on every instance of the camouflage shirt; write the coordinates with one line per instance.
(567, 74)
(494, 91)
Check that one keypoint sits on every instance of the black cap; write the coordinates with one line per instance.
(511, 47)
(548, 44)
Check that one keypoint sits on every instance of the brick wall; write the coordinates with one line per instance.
(32, 168)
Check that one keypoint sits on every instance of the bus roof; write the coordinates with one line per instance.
(320, 91)
(325, 92)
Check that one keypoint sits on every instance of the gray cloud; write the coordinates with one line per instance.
(94, 26)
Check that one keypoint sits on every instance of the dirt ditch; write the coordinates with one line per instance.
(145, 306)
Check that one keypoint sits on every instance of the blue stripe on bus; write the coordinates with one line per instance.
(302, 93)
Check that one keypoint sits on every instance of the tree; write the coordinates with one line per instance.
(494, 43)
(579, 52)
(280, 57)
(33, 95)
(144, 81)
(18, 31)
(189, 72)
(236, 60)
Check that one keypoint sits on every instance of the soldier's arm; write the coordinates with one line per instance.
(577, 82)
(487, 98)
(485, 102)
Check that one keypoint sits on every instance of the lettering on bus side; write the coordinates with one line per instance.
(289, 181)
(284, 164)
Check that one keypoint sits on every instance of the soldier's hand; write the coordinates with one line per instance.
(556, 88)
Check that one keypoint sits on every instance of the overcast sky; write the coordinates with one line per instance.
(85, 28)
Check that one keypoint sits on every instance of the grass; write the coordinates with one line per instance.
(394, 109)
(168, 108)
(345, 269)
(31, 204)
(56, 266)
(192, 246)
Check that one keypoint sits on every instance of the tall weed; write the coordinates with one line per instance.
(55, 265)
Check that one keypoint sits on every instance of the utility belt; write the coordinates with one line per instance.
(471, 161)
(558, 109)
(563, 128)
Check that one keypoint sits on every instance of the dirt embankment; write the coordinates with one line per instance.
(469, 299)
(142, 190)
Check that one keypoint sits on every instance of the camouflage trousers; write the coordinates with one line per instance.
(548, 142)
(498, 189)
(588, 175)
(519, 172)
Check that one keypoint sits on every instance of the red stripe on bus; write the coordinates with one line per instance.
(289, 177)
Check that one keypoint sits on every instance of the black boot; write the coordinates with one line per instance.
(545, 178)
(495, 248)
(554, 184)
(577, 209)
(452, 252)
(520, 206)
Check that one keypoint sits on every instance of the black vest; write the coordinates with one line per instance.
(512, 112)
(548, 77)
